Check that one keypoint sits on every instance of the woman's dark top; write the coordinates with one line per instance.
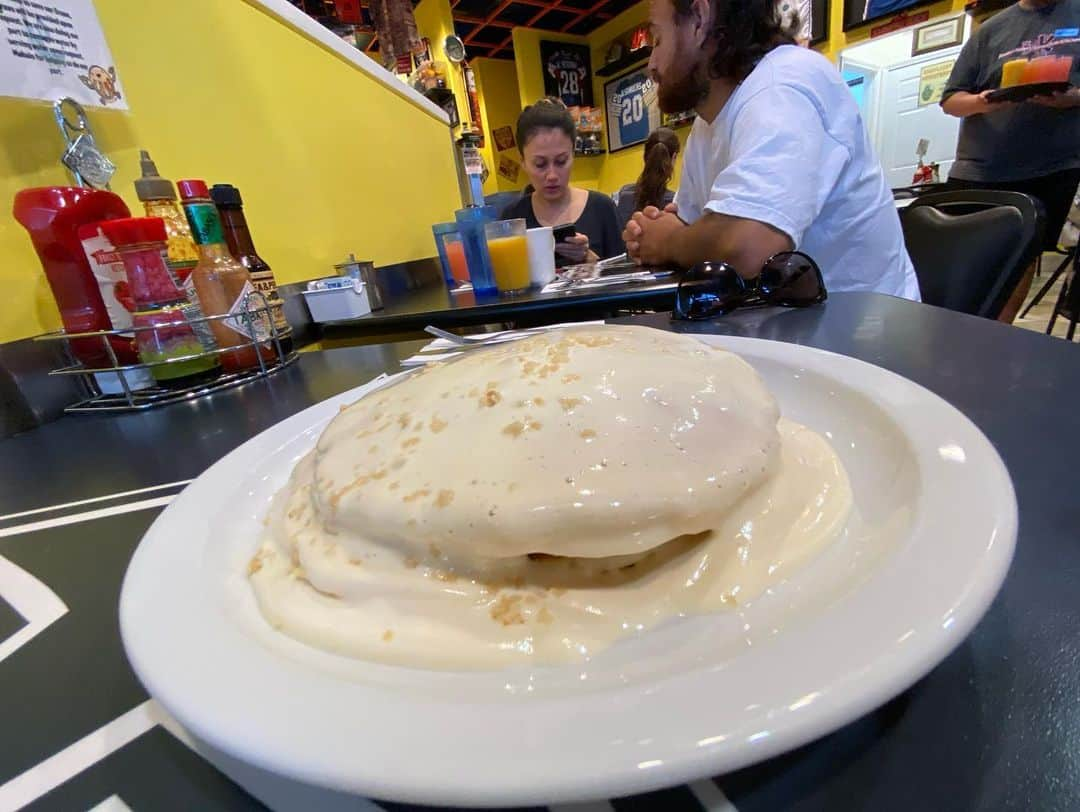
(626, 197)
(598, 221)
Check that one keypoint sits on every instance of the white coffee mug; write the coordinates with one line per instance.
(541, 243)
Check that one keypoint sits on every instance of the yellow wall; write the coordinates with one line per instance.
(329, 161)
(497, 82)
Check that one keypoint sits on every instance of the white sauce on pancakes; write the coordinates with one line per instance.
(533, 502)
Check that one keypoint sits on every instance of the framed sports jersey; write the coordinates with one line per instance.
(858, 12)
(567, 73)
(632, 109)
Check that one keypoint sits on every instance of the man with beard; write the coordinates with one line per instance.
(778, 158)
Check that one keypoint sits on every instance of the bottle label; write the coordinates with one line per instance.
(244, 315)
(205, 223)
(181, 270)
(264, 283)
(172, 270)
(193, 311)
(109, 273)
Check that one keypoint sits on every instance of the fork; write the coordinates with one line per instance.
(482, 339)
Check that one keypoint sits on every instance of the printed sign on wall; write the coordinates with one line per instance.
(632, 109)
(55, 48)
(932, 80)
(567, 74)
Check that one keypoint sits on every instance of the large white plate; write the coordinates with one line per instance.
(920, 561)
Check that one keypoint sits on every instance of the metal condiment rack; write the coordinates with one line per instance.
(132, 399)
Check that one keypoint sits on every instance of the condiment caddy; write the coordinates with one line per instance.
(125, 393)
(161, 308)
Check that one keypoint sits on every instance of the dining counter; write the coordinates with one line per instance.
(995, 726)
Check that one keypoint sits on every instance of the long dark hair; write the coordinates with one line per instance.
(744, 31)
(546, 114)
(660, 150)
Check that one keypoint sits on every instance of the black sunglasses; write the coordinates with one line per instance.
(787, 279)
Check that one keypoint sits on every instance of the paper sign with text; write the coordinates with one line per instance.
(55, 48)
(932, 81)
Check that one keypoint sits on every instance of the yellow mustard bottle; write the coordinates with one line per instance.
(158, 197)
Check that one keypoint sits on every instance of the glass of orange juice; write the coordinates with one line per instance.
(451, 254)
(1046, 69)
(509, 250)
(455, 256)
(1060, 70)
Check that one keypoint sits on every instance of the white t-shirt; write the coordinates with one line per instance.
(789, 149)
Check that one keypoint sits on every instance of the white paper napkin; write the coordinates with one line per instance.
(442, 349)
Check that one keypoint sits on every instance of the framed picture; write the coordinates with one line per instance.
(632, 109)
(813, 19)
(937, 35)
(567, 72)
(858, 12)
(509, 168)
(504, 138)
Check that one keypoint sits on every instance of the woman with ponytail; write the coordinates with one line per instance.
(651, 188)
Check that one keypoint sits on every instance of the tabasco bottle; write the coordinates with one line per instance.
(222, 284)
(238, 237)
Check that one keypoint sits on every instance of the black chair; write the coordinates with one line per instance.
(970, 248)
(908, 192)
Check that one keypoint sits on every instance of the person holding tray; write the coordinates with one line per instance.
(1030, 146)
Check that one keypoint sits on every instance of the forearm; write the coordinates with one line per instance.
(963, 104)
(743, 244)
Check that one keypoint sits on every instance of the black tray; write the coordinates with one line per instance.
(1018, 93)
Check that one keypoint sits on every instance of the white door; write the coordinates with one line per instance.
(900, 120)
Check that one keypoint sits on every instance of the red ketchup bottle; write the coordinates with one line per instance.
(53, 216)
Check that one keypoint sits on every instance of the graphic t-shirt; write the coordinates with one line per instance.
(1026, 140)
(789, 149)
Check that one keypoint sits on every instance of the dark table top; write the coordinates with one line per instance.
(434, 304)
(995, 726)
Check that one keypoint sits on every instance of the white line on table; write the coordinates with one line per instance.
(711, 797)
(105, 498)
(26, 788)
(114, 803)
(74, 518)
(39, 606)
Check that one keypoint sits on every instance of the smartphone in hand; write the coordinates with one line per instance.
(563, 232)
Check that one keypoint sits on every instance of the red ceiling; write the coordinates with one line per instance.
(486, 26)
